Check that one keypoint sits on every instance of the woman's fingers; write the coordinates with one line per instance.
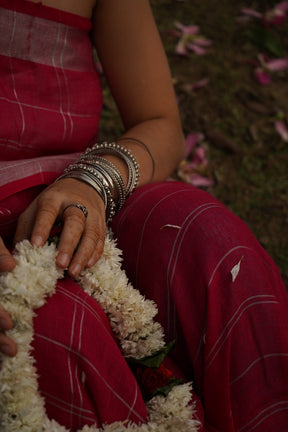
(36, 221)
(81, 212)
(88, 251)
(73, 227)
(7, 262)
(82, 237)
(7, 345)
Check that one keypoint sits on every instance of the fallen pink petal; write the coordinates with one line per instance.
(283, 6)
(197, 85)
(191, 40)
(199, 157)
(198, 180)
(180, 48)
(275, 16)
(191, 141)
(251, 13)
(281, 128)
(196, 49)
(262, 77)
(277, 64)
(188, 30)
(201, 41)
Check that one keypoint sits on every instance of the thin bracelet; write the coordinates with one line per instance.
(146, 148)
(125, 155)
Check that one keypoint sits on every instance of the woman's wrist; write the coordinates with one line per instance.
(96, 167)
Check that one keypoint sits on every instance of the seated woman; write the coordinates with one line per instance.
(179, 243)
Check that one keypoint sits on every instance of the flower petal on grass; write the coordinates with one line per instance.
(277, 64)
(282, 130)
(252, 13)
(191, 141)
(180, 48)
(198, 180)
(283, 6)
(199, 50)
(188, 30)
(262, 77)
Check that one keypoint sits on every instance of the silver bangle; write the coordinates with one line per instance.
(112, 174)
(103, 175)
(125, 155)
(98, 182)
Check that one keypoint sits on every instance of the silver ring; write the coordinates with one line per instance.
(80, 207)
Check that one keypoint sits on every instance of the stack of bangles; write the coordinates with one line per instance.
(103, 175)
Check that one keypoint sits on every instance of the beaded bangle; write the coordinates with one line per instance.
(104, 177)
(110, 172)
(124, 154)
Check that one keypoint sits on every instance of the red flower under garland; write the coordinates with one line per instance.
(155, 380)
(151, 379)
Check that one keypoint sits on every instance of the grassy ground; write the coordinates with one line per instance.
(247, 158)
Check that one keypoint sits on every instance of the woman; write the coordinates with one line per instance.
(180, 245)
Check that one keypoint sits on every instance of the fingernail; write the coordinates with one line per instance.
(6, 349)
(63, 260)
(75, 270)
(91, 262)
(37, 240)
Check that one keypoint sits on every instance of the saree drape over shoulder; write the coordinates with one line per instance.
(179, 244)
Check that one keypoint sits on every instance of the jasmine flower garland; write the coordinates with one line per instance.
(131, 318)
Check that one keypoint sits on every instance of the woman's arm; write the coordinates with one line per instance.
(136, 68)
(135, 65)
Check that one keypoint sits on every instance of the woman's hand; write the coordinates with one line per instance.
(82, 238)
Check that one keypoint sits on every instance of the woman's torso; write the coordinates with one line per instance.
(50, 92)
(79, 7)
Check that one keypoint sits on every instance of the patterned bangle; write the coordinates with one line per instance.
(125, 155)
(112, 174)
(106, 174)
(95, 179)
(104, 177)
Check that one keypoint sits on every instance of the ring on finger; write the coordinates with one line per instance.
(80, 207)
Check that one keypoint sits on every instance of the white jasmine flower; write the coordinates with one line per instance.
(131, 318)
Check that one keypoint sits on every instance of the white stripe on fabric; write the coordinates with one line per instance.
(71, 375)
(59, 403)
(67, 99)
(181, 234)
(13, 77)
(265, 299)
(89, 308)
(11, 171)
(264, 357)
(38, 107)
(201, 209)
(85, 360)
(134, 401)
(30, 48)
(76, 373)
(59, 82)
(223, 258)
(144, 226)
(276, 407)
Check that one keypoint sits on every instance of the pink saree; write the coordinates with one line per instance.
(50, 99)
(179, 243)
